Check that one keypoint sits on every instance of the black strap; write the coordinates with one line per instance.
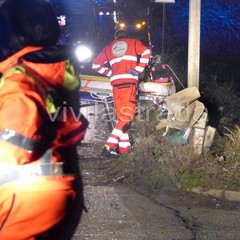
(137, 55)
(124, 84)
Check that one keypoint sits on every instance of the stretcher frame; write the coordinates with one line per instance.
(89, 96)
(93, 96)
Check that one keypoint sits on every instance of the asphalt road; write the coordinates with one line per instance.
(117, 212)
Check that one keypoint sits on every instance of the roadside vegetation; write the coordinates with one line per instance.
(155, 163)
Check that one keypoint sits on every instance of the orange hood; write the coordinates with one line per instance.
(50, 63)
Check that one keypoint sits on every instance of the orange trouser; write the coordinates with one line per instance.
(40, 208)
(125, 108)
(124, 102)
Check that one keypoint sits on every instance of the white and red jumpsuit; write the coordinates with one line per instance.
(115, 61)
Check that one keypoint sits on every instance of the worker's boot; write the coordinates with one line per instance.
(109, 153)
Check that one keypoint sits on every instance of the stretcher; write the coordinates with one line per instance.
(98, 90)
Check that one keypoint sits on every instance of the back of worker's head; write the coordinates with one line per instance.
(121, 33)
(26, 23)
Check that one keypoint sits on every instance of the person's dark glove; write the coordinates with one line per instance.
(133, 72)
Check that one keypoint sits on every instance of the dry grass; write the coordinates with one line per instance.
(156, 163)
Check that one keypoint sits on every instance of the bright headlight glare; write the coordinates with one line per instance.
(122, 25)
(83, 53)
(138, 25)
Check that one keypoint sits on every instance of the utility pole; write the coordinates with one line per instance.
(163, 28)
(163, 19)
(194, 43)
(149, 14)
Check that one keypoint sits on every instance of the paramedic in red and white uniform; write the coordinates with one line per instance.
(122, 61)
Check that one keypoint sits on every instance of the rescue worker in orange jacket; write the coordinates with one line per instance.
(122, 61)
(41, 194)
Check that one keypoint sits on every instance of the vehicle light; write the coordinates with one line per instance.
(122, 25)
(83, 53)
(138, 25)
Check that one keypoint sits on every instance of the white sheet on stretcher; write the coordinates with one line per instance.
(152, 88)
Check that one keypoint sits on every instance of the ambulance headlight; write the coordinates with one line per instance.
(83, 53)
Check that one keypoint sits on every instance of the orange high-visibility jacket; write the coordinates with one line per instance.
(36, 110)
(122, 55)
